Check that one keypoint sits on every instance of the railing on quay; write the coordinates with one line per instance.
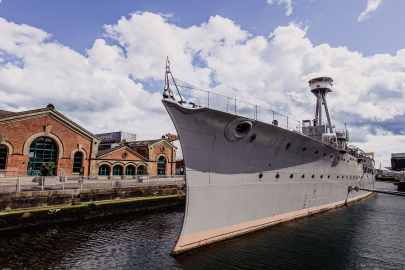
(201, 98)
(14, 173)
(41, 183)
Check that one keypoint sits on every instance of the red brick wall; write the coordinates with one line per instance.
(156, 152)
(17, 133)
(118, 156)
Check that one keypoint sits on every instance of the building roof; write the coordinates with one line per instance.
(50, 110)
(142, 143)
(5, 112)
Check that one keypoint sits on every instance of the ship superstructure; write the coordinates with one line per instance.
(248, 167)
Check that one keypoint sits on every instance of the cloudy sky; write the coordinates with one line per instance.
(101, 63)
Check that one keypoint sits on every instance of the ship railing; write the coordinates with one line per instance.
(195, 97)
(40, 183)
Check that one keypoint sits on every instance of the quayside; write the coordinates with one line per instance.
(249, 167)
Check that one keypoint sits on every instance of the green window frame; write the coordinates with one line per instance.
(103, 170)
(3, 156)
(117, 170)
(141, 170)
(77, 162)
(161, 166)
(42, 150)
(130, 170)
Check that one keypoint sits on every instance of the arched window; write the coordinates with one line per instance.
(3, 156)
(161, 168)
(130, 170)
(117, 170)
(141, 170)
(77, 162)
(42, 150)
(103, 170)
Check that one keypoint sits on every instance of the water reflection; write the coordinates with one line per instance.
(368, 234)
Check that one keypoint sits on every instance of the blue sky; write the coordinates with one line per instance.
(78, 23)
(101, 62)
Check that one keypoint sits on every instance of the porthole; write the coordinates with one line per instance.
(303, 149)
(347, 161)
(303, 176)
(313, 175)
(277, 175)
(331, 156)
(321, 176)
(316, 152)
(338, 158)
(125, 154)
(269, 164)
(292, 175)
(324, 154)
(328, 176)
(288, 146)
(253, 137)
(337, 176)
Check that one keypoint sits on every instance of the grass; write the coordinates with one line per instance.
(82, 205)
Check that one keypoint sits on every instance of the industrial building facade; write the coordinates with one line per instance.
(30, 139)
(398, 161)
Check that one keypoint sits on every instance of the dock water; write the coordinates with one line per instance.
(364, 235)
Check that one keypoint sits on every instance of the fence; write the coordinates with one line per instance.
(41, 183)
(15, 173)
(201, 98)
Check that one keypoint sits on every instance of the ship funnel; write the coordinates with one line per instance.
(320, 87)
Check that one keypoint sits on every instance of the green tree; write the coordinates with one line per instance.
(49, 167)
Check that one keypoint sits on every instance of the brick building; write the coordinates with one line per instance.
(30, 138)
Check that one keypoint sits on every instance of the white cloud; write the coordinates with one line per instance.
(98, 92)
(288, 5)
(372, 5)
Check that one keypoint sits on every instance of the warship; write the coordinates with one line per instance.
(248, 167)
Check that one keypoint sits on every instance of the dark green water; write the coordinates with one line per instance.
(365, 235)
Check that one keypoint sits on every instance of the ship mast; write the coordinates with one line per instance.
(320, 87)
(167, 92)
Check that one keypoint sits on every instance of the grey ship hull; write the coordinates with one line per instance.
(234, 187)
